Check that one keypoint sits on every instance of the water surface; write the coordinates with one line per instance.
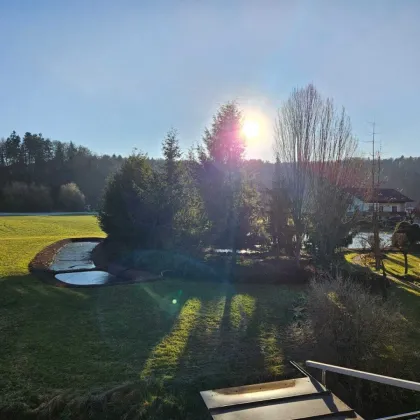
(74, 256)
(87, 278)
(360, 240)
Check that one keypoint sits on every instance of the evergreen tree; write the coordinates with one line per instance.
(220, 175)
(171, 182)
(130, 205)
(182, 211)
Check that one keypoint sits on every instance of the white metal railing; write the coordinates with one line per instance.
(388, 380)
(413, 415)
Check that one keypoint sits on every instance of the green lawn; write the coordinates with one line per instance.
(408, 294)
(70, 351)
(21, 237)
(393, 262)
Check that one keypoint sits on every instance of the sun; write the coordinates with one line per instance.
(251, 129)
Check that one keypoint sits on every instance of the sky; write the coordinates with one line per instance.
(117, 75)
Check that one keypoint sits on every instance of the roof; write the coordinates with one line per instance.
(380, 195)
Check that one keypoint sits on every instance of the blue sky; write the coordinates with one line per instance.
(117, 75)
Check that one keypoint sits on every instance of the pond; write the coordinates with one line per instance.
(360, 240)
(74, 256)
(87, 278)
(73, 266)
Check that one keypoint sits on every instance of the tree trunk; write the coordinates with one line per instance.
(405, 263)
(376, 242)
(233, 263)
(298, 249)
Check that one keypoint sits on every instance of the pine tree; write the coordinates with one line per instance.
(221, 176)
(172, 183)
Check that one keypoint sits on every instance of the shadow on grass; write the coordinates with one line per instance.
(238, 337)
(399, 262)
(60, 338)
(65, 349)
(223, 348)
(395, 260)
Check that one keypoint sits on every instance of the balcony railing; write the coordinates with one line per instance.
(387, 380)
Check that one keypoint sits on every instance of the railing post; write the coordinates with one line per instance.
(402, 383)
(324, 377)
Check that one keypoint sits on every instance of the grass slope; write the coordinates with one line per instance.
(169, 339)
(21, 237)
(408, 295)
(393, 262)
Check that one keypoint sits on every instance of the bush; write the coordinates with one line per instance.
(411, 230)
(169, 264)
(351, 326)
(70, 198)
(21, 197)
(344, 324)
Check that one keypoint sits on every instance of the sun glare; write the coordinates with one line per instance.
(251, 129)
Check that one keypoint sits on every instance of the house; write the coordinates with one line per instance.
(388, 200)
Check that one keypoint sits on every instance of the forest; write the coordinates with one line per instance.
(34, 167)
(34, 171)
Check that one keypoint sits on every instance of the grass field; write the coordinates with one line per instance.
(408, 294)
(393, 262)
(69, 352)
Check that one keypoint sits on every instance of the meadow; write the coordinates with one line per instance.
(139, 351)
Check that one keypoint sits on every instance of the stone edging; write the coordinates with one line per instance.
(42, 260)
(40, 266)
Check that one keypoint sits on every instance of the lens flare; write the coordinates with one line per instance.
(251, 128)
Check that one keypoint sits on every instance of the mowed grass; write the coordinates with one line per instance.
(21, 237)
(68, 352)
(408, 293)
(393, 262)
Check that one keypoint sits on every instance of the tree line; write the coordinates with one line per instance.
(39, 174)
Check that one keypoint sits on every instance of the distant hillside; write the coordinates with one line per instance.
(402, 174)
(34, 159)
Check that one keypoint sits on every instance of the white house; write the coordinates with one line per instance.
(388, 200)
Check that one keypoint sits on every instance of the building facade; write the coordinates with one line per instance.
(388, 200)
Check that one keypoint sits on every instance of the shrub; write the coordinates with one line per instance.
(169, 264)
(70, 198)
(344, 324)
(404, 237)
(351, 326)
(411, 230)
(21, 197)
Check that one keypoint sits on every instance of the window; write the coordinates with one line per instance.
(371, 207)
(394, 209)
(381, 208)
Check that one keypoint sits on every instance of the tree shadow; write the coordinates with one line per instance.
(221, 350)
(59, 338)
(397, 261)
(55, 338)
(236, 341)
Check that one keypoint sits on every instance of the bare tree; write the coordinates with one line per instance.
(315, 143)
